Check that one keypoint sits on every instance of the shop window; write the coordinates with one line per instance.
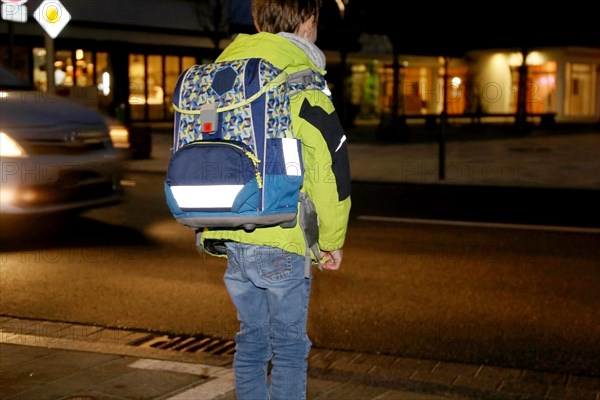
(456, 91)
(540, 96)
(153, 79)
(155, 97)
(137, 86)
(84, 68)
(172, 72)
(542, 93)
(187, 62)
(579, 94)
(40, 79)
(73, 74)
(64, 75)
(104, 81)
(364, 89)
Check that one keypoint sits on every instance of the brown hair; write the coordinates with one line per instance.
(283, 15)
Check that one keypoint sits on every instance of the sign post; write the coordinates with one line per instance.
(52, 17)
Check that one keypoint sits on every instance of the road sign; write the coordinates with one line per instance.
(13, 11)
(52, 16)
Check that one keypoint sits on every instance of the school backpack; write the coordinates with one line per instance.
(235, 161)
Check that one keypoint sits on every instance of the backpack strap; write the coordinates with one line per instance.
(309, 222)
(306, 79)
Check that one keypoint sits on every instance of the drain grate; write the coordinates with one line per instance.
(190, 344)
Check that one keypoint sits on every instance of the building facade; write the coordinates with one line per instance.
(125, 58)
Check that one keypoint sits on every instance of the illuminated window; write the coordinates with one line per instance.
(137, 86)
(40, 79)
(579, 94)
(84, 68)
(187, 62)
(172, 72)
(152, 81)
(541, 87)
(104, 81)
(64, 74)
(155, 85)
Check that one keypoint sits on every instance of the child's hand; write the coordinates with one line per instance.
(332, 259)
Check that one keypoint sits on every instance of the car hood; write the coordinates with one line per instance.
(33, 115)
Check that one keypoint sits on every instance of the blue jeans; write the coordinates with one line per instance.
(269, 290)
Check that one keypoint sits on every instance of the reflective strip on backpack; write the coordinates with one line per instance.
(291, 156)
(209, 196)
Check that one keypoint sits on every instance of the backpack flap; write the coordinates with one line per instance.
(235, 162)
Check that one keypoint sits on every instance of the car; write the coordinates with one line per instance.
(55, 154)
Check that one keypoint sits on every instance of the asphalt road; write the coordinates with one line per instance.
(485, 293)
(474, 203)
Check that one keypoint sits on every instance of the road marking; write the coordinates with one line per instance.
(220, 383)
(481, 224)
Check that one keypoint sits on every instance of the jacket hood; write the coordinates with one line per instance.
(275, 48)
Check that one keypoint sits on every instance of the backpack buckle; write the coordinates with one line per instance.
(208, 118)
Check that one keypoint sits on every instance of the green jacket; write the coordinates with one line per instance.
(324, 151)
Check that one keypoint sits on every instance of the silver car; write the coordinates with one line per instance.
(55, 155)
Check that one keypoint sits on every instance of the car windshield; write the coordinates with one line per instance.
(9, 80)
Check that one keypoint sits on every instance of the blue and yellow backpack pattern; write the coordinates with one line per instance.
(236, 161)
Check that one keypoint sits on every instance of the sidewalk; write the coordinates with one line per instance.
(565, 161)
(42, 360)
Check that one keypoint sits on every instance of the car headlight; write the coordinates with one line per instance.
(9, 147)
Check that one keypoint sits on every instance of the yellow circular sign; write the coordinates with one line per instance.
(52, 14)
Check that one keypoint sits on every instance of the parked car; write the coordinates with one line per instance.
(55, 155)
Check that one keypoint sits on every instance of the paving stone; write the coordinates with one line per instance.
(498, 373)
(318, 387)
(533, 388)
(147, 384)
(346, 356)
(478, 382)
(455, 369)
(351, 367)
(583, 382)
(390, 373)
(91, 377)
(12, 354)
(375, 359)
(415, 363)
(55, 365)
(544, 377)
(561, 392)
(349, 391)
(424, 376)
(403, 395)
(47, 393)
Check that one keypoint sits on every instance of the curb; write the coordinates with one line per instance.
(384, 371)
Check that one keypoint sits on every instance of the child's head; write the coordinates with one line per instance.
(293, 16)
